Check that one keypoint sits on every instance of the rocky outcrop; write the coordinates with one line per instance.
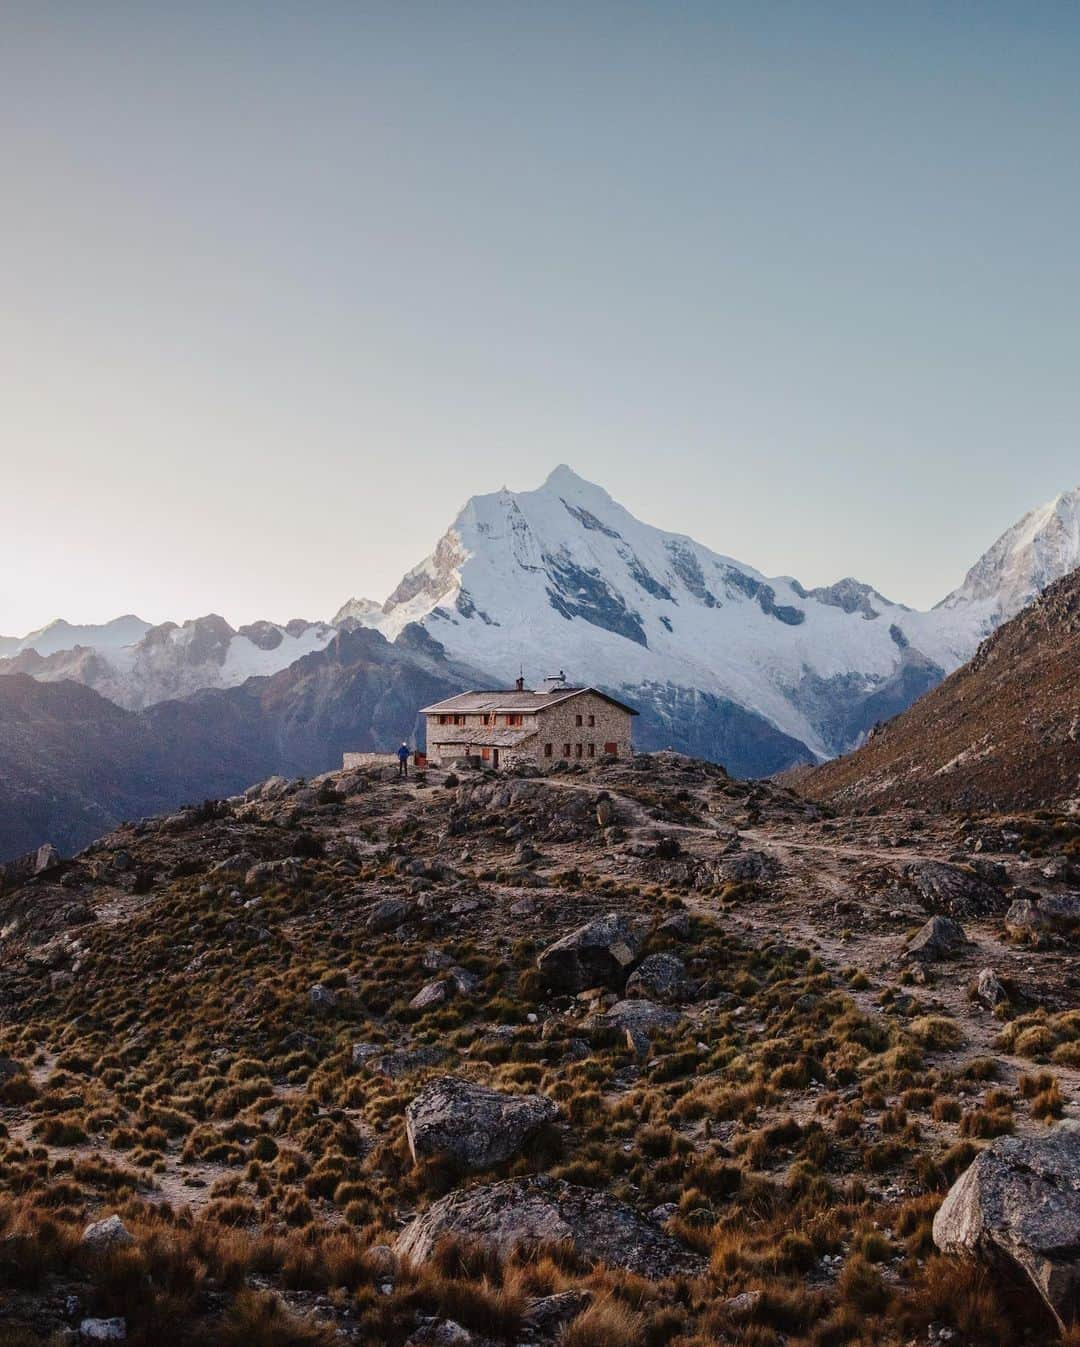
(1017, 1207)
(952, 890)
(599, 953)
(1034, 916)
(940, 938)
(527, 1212)
(473, 1126)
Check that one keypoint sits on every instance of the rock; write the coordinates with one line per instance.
(442, 1333)
(109, 1233)
(952, 890)
(745, 867)
(103, 1330)
(431, 995)
(677, 926)
(504, 1216)
(390, 913)
(601, 951)
(661, 977)
(403, 1061)
(45, 858)
(275, 872)
(381, 1260)
(637, 1016)
(1017, 1207)
(545, 1315)
(238, 864)
(321, 999)
(939, 938)
(989, 990)
(1034, 915)
(474, 1126)
(743, 1306)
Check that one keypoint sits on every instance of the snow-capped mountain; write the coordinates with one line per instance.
(61, 635)
(721, 660)
(171, 660)
(1027, 558)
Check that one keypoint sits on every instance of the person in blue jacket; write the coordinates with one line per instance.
(403, 760)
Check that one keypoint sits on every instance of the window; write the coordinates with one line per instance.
(547, 750)
(512, 720)
(577, 720)
(592, 750)
(566, 750)
(577, 750)
(443, 720)
(612, 748)
(592, 721)
(485, 754)
(459, 720)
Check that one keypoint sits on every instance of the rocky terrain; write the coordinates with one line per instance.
(1003, 732)
(637, 1054)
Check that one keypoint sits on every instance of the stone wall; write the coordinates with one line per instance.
(556, 725)
(351, 760)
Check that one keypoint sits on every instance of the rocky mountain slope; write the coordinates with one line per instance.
(629, 1056)
(755, 671)
(1003, 731)
(75, 764)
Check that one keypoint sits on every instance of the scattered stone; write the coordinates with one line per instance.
(103, 1330)
(322, 999)
(473, 1125)
(109, 1233)
(637, 1016)
(390, 913)
(677, 926)
(743, 1306)
(745, 867)
(988, 989)
(1034, 915)
(505, 1216)
(403, 1061)
(546, 1315)
(661, 977)
(600, 952)
(940, 938)
(275, 872)
(1017, 1206)
(429, 996)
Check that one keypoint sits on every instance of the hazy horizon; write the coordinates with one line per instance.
(285, 289)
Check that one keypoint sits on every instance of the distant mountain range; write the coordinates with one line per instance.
(1003, 732)
(73, 764)
(722, 660)
(757, 672)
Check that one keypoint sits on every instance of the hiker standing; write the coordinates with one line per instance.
(403, 760)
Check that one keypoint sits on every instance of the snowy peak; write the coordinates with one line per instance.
(1042, 547)
(61, 635)
(172, 660)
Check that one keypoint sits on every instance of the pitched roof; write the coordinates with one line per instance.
(496, 700)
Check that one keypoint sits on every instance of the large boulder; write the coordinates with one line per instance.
(598, 953)
(661, 977)
(940, 938)
(1036, 915)
(1017, 1207)
(472, 1125)
(541, 1210)
(952, 890)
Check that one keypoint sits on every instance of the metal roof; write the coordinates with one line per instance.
(499, 700)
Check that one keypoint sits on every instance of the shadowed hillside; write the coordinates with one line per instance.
(1002, 732)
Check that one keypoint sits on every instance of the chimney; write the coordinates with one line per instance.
(519, 683)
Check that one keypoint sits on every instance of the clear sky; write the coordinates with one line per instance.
(284, 284)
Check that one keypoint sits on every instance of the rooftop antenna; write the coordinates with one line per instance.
(521, 678)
